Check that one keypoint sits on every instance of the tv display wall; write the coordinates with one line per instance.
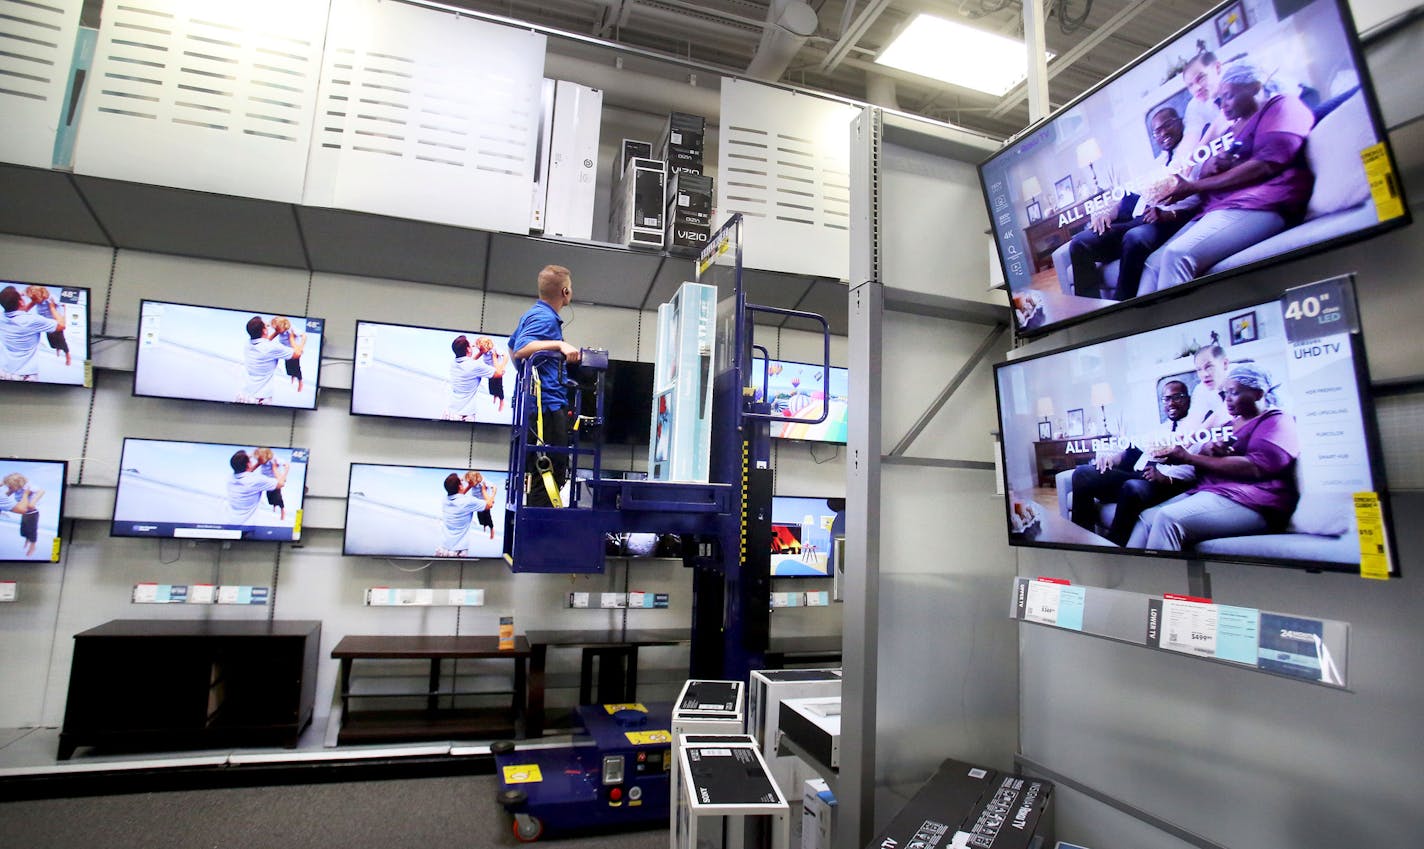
(1250, 136)
(44, 332)
(802, 391)
(432, 373)
(31, 505)
(801, 536)
(424, 512)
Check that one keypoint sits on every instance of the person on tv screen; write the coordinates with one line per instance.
(17, 497)
(1245, 485)
(283, 334)
(541, 330)
(1203, 120)
(260, 358)
(264, 461)
(1211, 364)
(459, 513)
(497, 361)
(485, 492)
(42, 302)
(20, 332)
(466, 373)
(247, 486)
(1253, 189)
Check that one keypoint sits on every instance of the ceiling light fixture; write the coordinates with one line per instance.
(954, 53)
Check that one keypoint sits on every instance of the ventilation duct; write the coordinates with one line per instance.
(788, 24)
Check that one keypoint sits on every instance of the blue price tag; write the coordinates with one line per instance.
(1324, 308)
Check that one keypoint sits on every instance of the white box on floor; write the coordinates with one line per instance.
(818, 813)
(765, 692)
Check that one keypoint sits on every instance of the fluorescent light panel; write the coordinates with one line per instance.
(954, 53)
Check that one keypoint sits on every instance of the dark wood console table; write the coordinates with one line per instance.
(1050, 456)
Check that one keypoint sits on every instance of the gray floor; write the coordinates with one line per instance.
(450, 812)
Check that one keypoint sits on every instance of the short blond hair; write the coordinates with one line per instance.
(263, 455)
(281, 324)
(552, 280)
(15, 480)
(37, 293)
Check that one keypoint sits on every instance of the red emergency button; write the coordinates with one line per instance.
(615, 794)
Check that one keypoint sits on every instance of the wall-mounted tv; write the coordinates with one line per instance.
(207, 490)
(1251, 136)
(424, 512)
(800, 390)
(1217, 438)
(31, 505)
(228, 356)
(432, 373)
(801, 535)
(627, 401)
(44, 332)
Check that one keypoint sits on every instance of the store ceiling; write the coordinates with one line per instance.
(725, 34)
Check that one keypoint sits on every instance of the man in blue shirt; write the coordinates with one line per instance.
(541, 329)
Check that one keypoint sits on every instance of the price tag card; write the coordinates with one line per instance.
(636, 597)
(1189, 627)
(1238, 633)
(1042, 603)
(229, 595)
(7, 591)
(1071, 601)
(202, 594)
(145, 593)
(1323, 308)
(1374, 543)
(1384, 186)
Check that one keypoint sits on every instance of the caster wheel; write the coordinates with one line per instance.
(511, 798)
(527, 828)
(502, 747)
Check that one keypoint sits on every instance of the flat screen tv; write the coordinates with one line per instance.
(31, 505)
(44, 332)
(1249, 137)
(801, 535)
(228, 356)
(208, 490)
(424, 512)
(1217, 438)
(627, 401)
(432, 373)
(801, 391)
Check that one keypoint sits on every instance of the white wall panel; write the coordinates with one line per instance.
(204, 94)
(36, 50)
(427, 115)
(784, 163)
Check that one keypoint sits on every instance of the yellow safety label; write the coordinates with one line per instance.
(54, 550)
(612, 709)
(522, 774)
(297, 525)
(1374, 545)
(1384, 185)
(649, 738)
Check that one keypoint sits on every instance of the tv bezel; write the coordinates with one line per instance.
(88, 334)
(830, 566)
(1352, 38)
(63, 488)
(138, 353)
(352, 405)
(118, 482)
(756, 373)
(1373, 451)
(346, 514)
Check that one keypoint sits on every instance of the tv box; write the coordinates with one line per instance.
(814, 724)
(996, 810)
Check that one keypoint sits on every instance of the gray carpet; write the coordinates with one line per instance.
(422, 812)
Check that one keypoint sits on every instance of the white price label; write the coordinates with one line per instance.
(202, 594)
(7, 591)
(1189, 627)
(1042, 603)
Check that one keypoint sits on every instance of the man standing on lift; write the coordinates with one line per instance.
(541, 329)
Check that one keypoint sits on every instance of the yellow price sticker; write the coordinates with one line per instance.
(1374, 545)
(612, 709)
(522, 774)
(54, 550)
(297, 526)
(649, 738)
(1384, 185)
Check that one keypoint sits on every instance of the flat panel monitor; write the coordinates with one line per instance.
(431, 373)
(31, 505)
(424, 512)
(228, 356)
(627, 401)
(802, 391)
(1249, 137)
(44, 332)
(801, 532)
(208, 490)
(1216, 438)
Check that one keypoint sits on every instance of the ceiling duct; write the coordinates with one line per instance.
(788, 24)
(880, 90)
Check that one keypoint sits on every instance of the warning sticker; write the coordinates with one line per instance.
(649, 738)
(522, 774)
(1384, 185)
(1374, 545)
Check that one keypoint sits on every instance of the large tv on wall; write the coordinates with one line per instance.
(1218, 438)
(44, 332)
(206, 490)
(228, 356)
(1249, 137)
(802, 391)
(424, 512)
(31, 505)
(432, 373)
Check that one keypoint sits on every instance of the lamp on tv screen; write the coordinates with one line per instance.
(31, 505)
(802, 391)
(1219, 438)
(44, 332)
(204, 490)
(1250, 136)
(424, 512)
(229, 356)
(801, 531)
(431, 373)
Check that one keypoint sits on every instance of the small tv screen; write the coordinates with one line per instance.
(801, 536)
(1218, 438)
(801, 391)
(31, 505)
(1250, 136)
(227, 356)
(206, 490)
(44, 333)
(424, 512)
(627, 401)
(431, 373)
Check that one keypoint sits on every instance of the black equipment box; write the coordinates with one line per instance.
(996, 810)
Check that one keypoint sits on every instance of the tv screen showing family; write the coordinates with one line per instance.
(1250, 135)
(231, 356)
(429, 373)
(44, 333)
(202, 490)
(1217, 438)
(424, 512)
(801, 531)
(803, 391)
(31, 504)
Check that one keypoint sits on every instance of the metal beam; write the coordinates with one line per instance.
(948, 391)
(1034, 20)
(867, 16)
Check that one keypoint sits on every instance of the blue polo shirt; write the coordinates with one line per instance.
(541, 323)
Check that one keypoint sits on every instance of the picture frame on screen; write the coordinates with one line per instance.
(1234, 144)
(802, 531)
(227, 356)
(31, 507)
(800, 390)
(209, 490)
(435, 374)
(424, 512)
(44, 333)
(1258, 452)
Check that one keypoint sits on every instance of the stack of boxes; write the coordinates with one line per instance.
(635, 215)
(689, 191)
